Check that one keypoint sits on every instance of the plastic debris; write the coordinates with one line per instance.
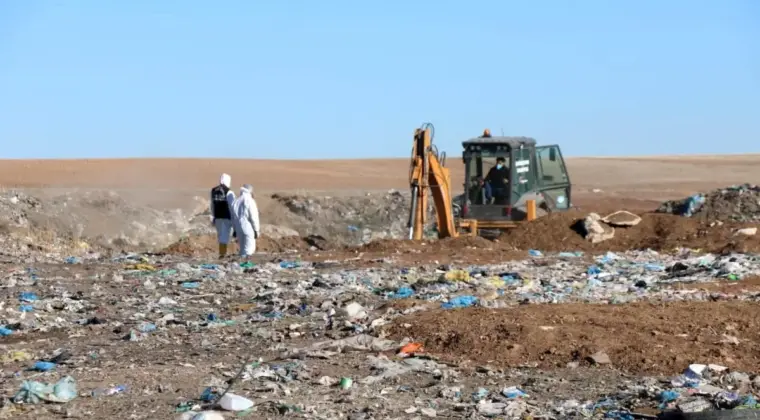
(33, 392)
(233, 402)
(460, 302)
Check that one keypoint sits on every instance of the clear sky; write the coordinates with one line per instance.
(340, 78)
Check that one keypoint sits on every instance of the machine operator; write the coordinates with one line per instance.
(480, 191)
(498, 179)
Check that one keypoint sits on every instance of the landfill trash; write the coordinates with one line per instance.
(27, 297)
(43, 366)
(460, 302)
(346, 383)
(513, 392)
(595, 232)
(404, 292)
(233, 402)
(354, 310)
(33, 392)
(600, 358)
(356, 343)
(621, 218)
(315, 323)
(738, 203)
(410, 349)
(747, 231)
(118, 389)
(203, 415)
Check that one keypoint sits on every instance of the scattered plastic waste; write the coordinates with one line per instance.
(346, 383)
(289, 264)
(27, 297)
(460, 302)
(402, 293)
(43, 366)
(513, 392)
(33, 392)
(480, 394)
(233, 402)
(118, 389)
(319, 315)
(146, 327)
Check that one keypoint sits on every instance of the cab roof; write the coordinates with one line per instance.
(512, 141)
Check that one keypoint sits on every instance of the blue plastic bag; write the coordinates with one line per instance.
(460, 302)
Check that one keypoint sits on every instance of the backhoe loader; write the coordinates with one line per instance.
(530, 182)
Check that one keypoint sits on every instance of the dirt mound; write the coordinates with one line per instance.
(354, 220)
(739, 203)
(203, 245)
(433, 245)
(639, 338)
(562, 232)
(390, 246)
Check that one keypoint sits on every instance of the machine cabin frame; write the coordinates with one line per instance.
(536, 172)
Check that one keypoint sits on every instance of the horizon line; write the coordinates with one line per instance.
(685, 155)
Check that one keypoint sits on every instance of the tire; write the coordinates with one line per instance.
(736, 414)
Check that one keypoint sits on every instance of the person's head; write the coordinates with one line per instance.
(479, 180)
(247, 189)
(500, 162)
(225, 180)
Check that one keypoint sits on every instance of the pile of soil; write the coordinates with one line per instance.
(443, 245)
(203, 245)
(353, 220)
(390, 246)
(553, 233)
(563, 232)
(733, 204)
(646, 338)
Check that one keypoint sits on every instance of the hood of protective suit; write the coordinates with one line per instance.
(225, 180)
(246, 189)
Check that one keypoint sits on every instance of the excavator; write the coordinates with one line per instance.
(538, 183)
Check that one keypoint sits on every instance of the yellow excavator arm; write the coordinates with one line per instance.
(428, 176)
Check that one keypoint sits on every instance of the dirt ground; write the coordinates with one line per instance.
(635, 179)
(638, 338)
(187, 352)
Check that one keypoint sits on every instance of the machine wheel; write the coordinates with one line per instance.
(739, 414)
(489, 233)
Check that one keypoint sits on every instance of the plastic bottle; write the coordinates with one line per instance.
(118, 389)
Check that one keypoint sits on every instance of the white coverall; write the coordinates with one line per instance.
(245, 215)
(223, 226)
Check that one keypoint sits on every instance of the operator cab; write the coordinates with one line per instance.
(532, 172)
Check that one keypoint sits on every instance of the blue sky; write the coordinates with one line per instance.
(341, 79)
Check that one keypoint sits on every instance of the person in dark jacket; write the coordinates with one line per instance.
(498, 179)
(221, 216)
(480, 191)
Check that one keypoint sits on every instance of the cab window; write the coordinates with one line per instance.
(551, 165)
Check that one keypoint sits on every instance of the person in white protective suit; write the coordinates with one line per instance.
(245, 215)
(221, 214)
